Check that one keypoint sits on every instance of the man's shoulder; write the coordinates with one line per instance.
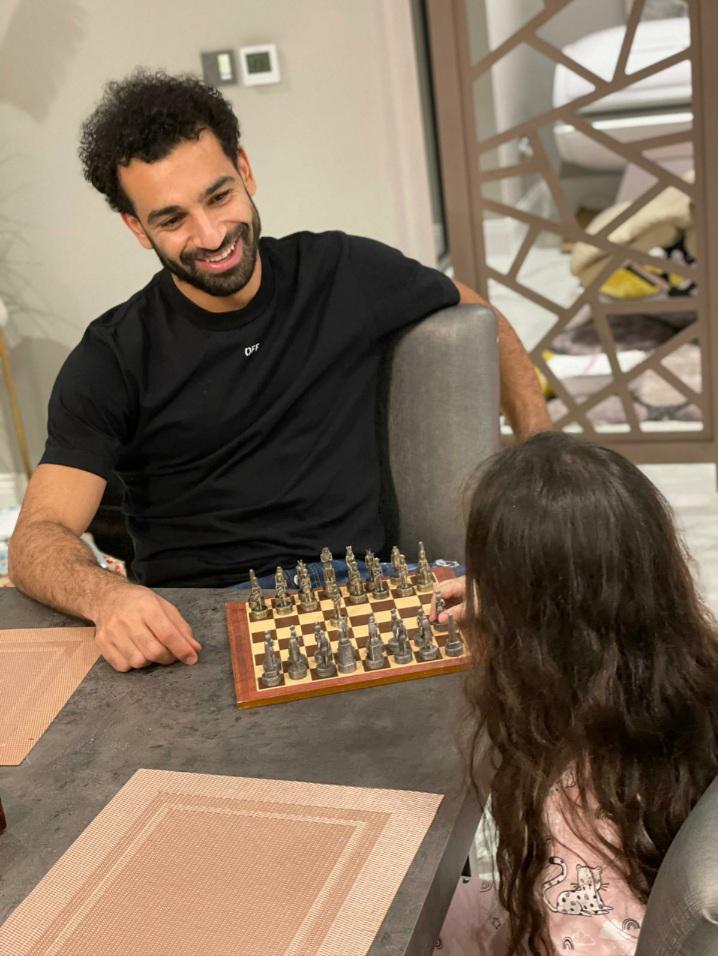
(132, 311)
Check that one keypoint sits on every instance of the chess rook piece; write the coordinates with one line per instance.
(440, 607)
(258, 607)
(297, 665)
(404, 587)
(375, 656)
(283, 603)
(454, 646)
(356, 594)
(429, 649)
(324, 658)
(424, 577)
(403, 653)
(272, 665)
(346, 658)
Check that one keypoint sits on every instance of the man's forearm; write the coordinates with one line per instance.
(51, 564)
(521, 399)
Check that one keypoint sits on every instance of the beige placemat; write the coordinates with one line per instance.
(183, 864)
(40, 669)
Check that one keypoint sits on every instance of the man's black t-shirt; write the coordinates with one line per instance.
(244, 439)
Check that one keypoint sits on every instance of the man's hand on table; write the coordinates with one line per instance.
(454, 593)
(136, 627)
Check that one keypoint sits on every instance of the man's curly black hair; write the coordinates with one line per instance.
(144, 117)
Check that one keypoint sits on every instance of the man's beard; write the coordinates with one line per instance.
(223, 283)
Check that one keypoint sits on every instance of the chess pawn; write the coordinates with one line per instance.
(283, 603)
(308, 600)
(380, 588)
(403, 653)
(440, 607)
(297, 662)
(404, 587)
(272, 666)
(454, 646)
(324, 658)
(429, 649)
(258, 607)
(346, 658)
(424, 577)
(355, 592)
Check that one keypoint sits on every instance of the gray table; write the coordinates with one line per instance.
(399, 736)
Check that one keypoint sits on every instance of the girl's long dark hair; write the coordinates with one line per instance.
(592, 652)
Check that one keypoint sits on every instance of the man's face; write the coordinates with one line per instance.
(194, 208)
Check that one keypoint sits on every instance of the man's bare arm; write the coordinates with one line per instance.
(49, 562)
(521, 398)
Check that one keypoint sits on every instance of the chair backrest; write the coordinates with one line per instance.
(681, 918)
(438, 419)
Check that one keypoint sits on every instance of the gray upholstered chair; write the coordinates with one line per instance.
(438, 419)
(681, 918)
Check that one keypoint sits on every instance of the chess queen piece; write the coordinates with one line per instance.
(454, 646)
(258, 607)
(272, 665)
(404, 587)
(297, 665)
(356, 593)
(429, 649)
(346, 658)
(424, 577)
(283, 603)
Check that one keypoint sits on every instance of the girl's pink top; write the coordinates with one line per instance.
(588, 906)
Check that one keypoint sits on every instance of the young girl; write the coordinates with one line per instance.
(596, 684)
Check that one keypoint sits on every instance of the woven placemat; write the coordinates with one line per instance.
(183, 864)
(40, 669)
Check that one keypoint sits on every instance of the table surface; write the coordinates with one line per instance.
(399, 736)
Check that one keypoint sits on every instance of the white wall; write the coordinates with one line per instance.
(338, 144)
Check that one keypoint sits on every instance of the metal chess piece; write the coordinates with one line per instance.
(395, 623)
(258, 607)
(336, 613)
(404, 587)
(429, 649)
(375, 657)
(283, 603)
(356, 593)
(440, 607)
(396, 563)
(324, 658)
(403, 653)
(272, 665)
(308, 600)
(420, 618)
(454, 646)
(346, 658)
(379, 587)
(297, 665)
(424, 577)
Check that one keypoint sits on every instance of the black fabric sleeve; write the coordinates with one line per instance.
(90, 410)
(398, 290)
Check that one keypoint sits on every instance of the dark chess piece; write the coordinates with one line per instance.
(454, 646)
(440, 607)
(346, 658)
(283, 603)
(350, 558)
(429, 649)
(424, 577)
(258, 607)
(297, 665)
(375, 656)
(356, 594)
(308, 600)
(403, 653)
(272, 665)
(324, 658)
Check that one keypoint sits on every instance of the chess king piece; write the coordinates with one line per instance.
(346, 658)
(404, 587)
(283, 603)
(272, 665)
(424, 577)
(454, 646)
(324, 658)
(429, 649)
(297, 665)
(258, 607)
(440, 606)
(356, 594)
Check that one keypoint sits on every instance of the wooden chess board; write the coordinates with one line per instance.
(246, 643)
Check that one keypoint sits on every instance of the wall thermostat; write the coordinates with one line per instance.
(259, 64)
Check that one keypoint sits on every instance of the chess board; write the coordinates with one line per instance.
(246, 642)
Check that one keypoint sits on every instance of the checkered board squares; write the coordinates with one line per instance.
(246, 640)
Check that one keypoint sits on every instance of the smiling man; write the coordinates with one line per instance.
(233, 395)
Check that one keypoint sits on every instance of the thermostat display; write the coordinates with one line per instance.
(259, 64)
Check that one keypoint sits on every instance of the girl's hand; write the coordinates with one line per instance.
(454, 593)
